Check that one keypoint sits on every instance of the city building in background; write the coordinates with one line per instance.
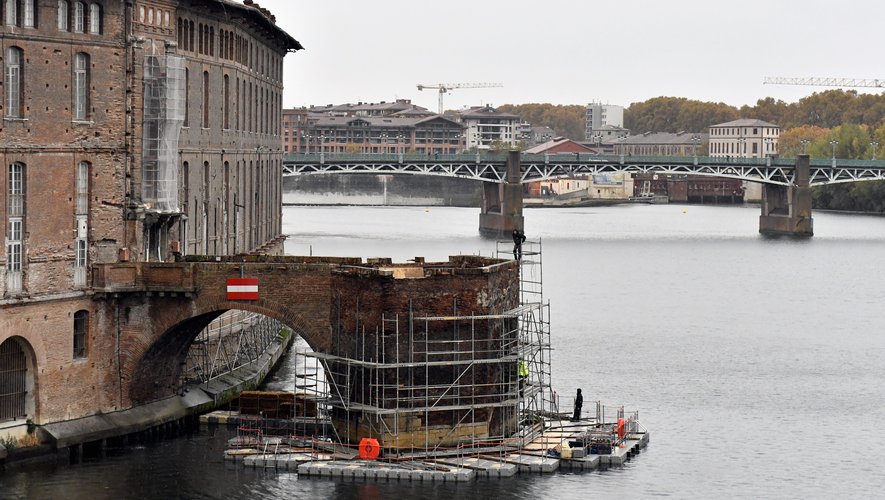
(604, 138)
(598, 115)
(535, 135)
(385, 127)
(744, 138)
(486, 127)
(661, 144)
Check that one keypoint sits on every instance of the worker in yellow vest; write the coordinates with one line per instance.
(523, 371)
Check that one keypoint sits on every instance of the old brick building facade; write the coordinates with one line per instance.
(132, 130)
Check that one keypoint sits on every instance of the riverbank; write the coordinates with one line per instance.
(67, 439)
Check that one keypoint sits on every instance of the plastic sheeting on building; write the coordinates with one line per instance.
(164, 102)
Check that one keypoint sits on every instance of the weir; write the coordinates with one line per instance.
(786, 210)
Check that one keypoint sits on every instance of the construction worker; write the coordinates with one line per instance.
(579, 402)
(518, 240)
(523, 372)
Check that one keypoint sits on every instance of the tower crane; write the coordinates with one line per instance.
(447, 87)
(825, 82)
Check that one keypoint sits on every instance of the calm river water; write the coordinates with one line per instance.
(757, 364)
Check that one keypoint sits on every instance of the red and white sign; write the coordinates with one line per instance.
(242, 289)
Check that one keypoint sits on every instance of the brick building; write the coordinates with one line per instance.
(385, 127)
(131, 131)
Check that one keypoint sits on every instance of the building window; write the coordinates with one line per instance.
(11, 13)
(187, 86)
(82, 204)
(81, 326)
(95, 19)
(29, 17)
(205, 99)
(79, 17)
(81, 221)
(15, 208)
(14, 380)
(141, 14)
(226, 98)
(62, 15)
(14, 82)
(81, 86)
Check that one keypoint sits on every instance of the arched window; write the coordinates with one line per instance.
(14, 82)
(79, 21)
(95, 19)
(15, 212)
(63, 15)
(190, 41)
(81, 86)
(13, 380)
(81, 326)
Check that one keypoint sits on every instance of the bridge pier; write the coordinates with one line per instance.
(501, 210)
(786, 210)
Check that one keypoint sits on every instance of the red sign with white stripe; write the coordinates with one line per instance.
(242, 289)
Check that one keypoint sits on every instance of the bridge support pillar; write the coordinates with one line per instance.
(786, 210)
(501, 210)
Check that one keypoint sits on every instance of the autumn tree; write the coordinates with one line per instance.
(566, 120)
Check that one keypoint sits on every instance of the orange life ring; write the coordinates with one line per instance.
(622, 428)
(369, 449)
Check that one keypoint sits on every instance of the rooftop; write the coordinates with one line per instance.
(745, 122)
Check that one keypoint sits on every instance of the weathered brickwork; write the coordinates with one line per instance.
(233, 176)
(159, 318)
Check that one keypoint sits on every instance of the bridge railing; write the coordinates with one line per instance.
(495, 157)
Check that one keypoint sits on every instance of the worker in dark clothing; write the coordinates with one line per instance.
(518, 239)
(579, 402)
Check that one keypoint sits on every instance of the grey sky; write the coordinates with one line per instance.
(573, 52)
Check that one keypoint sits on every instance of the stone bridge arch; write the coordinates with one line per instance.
(159, 308)
(158, 371)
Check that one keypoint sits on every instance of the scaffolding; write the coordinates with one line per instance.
(164, 103)
(231, 341)
(441, 385)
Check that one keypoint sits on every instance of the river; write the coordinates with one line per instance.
(758, 364)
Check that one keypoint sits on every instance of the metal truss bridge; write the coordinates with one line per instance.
(492, 167)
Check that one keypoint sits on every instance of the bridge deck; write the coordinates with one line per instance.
(492, 167)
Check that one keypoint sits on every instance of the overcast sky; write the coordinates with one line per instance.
(573, 52)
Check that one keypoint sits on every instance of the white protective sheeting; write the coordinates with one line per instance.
(163, 117)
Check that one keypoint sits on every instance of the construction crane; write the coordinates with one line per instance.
(447, 87)
(825, 82)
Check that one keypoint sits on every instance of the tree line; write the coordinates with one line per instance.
(840, 122)
(827, 109)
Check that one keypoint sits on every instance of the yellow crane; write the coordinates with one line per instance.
(825, 82)
(447, 87)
